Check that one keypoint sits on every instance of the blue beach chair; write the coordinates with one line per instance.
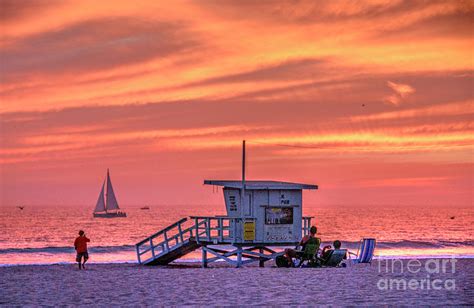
(365, 252)
(335, 258)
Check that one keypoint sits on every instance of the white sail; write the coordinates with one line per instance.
(100, 206)
(111, 201)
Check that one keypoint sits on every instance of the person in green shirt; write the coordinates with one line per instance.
(294, 253)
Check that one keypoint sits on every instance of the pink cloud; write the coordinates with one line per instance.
(401, 91)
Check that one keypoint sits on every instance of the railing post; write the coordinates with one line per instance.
(180, 233)
(220, 232)
(166, 242)
(304, 225)
(208, 228)
(196, 224)
(152, 248)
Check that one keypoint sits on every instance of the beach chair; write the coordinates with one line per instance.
(365, 252)
(309, 253)
(334, 258)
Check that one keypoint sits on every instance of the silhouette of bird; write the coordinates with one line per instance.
(452, 217)
(21, 207)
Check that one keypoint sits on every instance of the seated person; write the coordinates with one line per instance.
(327, 251)
(293, 253)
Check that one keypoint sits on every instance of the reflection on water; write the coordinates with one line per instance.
(46, 234)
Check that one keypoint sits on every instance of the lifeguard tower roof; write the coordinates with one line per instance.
(255, 185)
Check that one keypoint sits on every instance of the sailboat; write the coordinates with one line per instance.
(107, 205)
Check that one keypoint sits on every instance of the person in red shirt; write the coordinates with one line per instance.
(80, 244)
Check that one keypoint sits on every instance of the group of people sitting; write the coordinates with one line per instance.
(308, 248)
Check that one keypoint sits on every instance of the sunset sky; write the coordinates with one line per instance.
(376, 98)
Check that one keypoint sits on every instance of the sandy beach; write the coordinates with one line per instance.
(127, 285)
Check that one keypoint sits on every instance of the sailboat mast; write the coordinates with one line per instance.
(107, 190)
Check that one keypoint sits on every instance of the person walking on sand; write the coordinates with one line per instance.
(80, 244)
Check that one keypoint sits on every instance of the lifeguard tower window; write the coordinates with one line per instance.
(279, 215)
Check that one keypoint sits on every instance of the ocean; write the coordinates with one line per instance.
(45, 234)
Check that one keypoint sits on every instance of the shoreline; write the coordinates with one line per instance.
(198, 261)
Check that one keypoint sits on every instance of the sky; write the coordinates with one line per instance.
(372, 101)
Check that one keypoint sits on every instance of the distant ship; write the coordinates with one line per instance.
(145, 207)
(107, 205)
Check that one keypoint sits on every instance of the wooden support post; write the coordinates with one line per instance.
(204, 256)
(239, 256)
(261, 263)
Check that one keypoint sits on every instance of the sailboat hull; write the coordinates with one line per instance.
(110, 215)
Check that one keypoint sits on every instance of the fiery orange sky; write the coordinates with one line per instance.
(376, 95)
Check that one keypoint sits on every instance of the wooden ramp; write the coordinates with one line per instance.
(167, 245)
(183, 237)
(174, 253)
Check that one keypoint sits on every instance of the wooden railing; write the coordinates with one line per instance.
(217, 229)
(306, 224)
(164, 240)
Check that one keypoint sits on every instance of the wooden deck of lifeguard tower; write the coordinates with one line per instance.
(207, 233)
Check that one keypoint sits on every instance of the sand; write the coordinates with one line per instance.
(127, 285)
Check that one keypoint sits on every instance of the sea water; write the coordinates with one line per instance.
(45, 234)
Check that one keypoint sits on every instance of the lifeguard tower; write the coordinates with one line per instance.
(261, 215)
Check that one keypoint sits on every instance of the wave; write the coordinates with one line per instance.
(345, 244)
(68, 249)
(413, 244)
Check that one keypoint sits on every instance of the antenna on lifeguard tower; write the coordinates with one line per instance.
(242, 195)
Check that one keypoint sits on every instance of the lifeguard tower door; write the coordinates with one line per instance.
(248, 215)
